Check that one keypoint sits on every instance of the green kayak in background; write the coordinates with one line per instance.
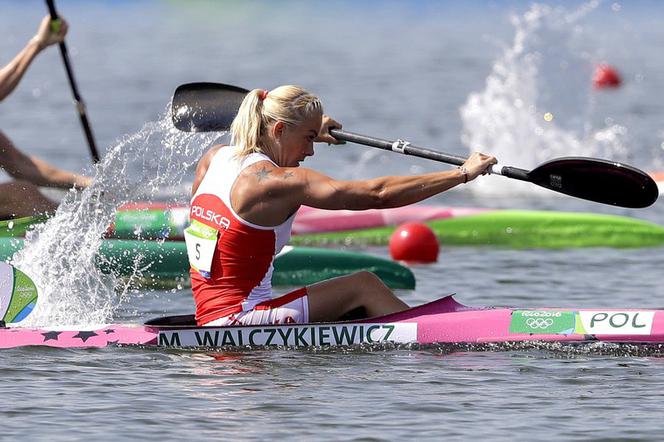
(18, 226)
(167, 264)
(453, 226)
(514, 229)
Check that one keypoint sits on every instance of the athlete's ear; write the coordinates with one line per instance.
(278, 129)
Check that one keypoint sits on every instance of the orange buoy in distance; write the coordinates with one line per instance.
(415, 243)
(606, 77)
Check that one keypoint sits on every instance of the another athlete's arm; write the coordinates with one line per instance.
(32, 169)
(11, 74)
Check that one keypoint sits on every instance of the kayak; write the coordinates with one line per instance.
(515, 229)
(444, 321)
(167, 221)
(312, 220)
(19, 226)
(456, 226)
(132, 221)
(167, 265)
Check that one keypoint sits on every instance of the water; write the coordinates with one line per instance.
(419, 70)
(135, 169)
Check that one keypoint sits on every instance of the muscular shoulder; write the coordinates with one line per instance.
(267, 193)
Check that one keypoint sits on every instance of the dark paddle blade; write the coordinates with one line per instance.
(597, 180)
(206, 107)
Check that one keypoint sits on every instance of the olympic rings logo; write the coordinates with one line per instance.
(541, 323)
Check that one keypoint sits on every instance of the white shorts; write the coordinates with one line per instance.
(292, 308)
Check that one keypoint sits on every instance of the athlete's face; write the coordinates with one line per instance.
(296, 142)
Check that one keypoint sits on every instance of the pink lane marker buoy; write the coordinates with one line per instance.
(606, 77)
(415, 243)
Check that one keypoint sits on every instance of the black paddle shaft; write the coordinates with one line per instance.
(406, 148)
(80, 105)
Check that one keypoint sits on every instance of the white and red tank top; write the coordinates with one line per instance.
(239, 275)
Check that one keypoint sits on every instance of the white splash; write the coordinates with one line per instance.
(538, 99)
(61, 255)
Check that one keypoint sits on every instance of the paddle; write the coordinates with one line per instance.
(80, 106)
(205, 107)
(18, 294)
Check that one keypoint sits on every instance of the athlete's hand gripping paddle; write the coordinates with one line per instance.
(208, 107)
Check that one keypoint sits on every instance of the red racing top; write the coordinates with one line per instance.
(240, 273)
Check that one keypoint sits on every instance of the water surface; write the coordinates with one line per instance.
(391, 69)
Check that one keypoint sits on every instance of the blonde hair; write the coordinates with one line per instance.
(290, 104)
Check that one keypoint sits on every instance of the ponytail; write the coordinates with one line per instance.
(247, 127)
(289, 104)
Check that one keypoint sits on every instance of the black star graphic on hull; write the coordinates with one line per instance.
(51, 335)
(85, 335)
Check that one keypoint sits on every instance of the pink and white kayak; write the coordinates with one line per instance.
(312, 220)
(441, 321)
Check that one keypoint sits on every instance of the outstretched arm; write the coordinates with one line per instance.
(388, 191)
(34, 170)
(268, 194)
(11, 74)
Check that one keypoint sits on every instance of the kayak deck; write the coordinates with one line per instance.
(444, 321)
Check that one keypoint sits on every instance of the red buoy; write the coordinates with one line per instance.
(606, 77)
(414, 242)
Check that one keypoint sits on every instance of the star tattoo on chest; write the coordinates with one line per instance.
(288, 175)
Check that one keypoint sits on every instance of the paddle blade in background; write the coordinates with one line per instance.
(597, 180)
(206, 107)
(18, 294)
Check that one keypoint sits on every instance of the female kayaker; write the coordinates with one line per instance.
(244, 201)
